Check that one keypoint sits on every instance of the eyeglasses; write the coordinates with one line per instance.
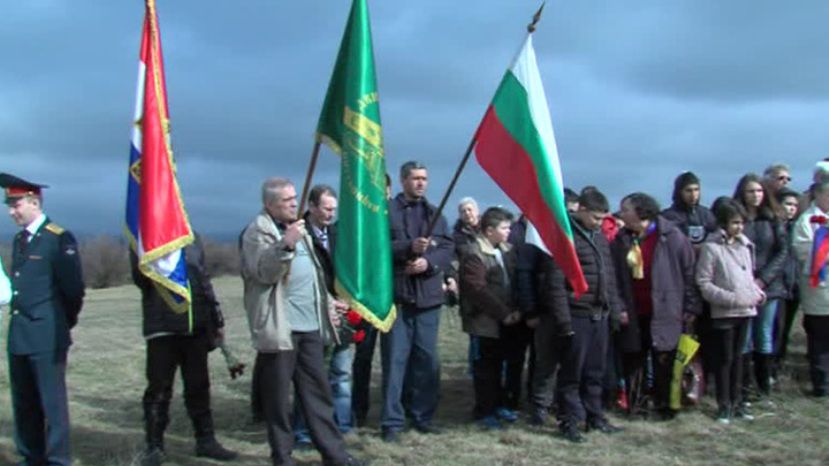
(784, 178)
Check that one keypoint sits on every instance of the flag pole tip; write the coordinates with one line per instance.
(536, 19)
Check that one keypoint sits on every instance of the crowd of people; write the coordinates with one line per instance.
(733, 277)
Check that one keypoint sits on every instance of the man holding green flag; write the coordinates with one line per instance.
(350, 125)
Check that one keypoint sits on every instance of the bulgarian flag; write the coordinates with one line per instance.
(350, 125)
(157, 224)
(516, 146)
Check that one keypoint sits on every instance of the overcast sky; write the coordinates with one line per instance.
(638, 90)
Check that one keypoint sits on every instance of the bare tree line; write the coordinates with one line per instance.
(105, 260)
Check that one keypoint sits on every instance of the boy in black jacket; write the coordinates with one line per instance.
(582, 322)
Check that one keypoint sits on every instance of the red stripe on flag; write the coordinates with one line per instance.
(512, 169)
(162, 215)
(819, 256)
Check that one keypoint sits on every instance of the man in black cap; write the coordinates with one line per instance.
(48, 295)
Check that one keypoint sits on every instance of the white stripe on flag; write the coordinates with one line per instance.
(165, 265)
(137, 136)
(532, 237)
(525, 70)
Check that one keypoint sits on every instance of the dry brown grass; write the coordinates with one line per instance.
(106, 380)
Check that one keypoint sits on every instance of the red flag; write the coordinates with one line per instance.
(164, 224)
(156, 220)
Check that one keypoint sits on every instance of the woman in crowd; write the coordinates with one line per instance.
(789, 204)
(767, 233)
(466, 227)
(726, 280)
(654, 263)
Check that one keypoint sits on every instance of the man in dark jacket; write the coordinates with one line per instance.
(47, 297)
(180, 338)
(529, 278)
(654, 265)
(696, 222)
(544, 351)
(582, 324)
(420, 262)
(693, 219)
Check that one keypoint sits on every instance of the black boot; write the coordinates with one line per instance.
(747, 394)
(762, 373)
(206, 444)
(155, 421)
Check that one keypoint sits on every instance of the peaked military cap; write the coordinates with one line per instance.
(16, 188)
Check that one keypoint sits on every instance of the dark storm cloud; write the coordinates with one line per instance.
(639, 91)
(724, 51)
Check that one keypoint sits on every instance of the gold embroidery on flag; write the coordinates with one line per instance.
(135, 171)
(369, 130)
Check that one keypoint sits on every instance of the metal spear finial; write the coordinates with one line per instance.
(536, 18)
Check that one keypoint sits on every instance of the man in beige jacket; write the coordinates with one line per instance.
(291, 316)
(814, 300)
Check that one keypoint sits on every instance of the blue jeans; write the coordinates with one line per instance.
(339, 376)
(761, 331)
(411, 347)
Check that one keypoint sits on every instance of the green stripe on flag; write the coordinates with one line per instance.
(511, 103)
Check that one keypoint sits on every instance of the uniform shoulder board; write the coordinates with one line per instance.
(54, 228)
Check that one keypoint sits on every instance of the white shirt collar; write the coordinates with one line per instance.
(319, 231)
(35, 225)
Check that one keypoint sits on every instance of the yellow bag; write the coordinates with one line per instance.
(685, 351)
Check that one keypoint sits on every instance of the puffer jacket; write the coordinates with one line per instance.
(770, 251)
(602, 296)
(487, 298)
(725, 278)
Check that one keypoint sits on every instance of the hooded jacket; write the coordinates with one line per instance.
(725, 278)
(673, 289)
(695, 221)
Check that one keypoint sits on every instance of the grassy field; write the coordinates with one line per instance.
(106, 381)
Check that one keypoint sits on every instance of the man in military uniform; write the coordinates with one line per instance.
(48, 295)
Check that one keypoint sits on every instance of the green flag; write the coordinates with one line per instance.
(350, 125)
